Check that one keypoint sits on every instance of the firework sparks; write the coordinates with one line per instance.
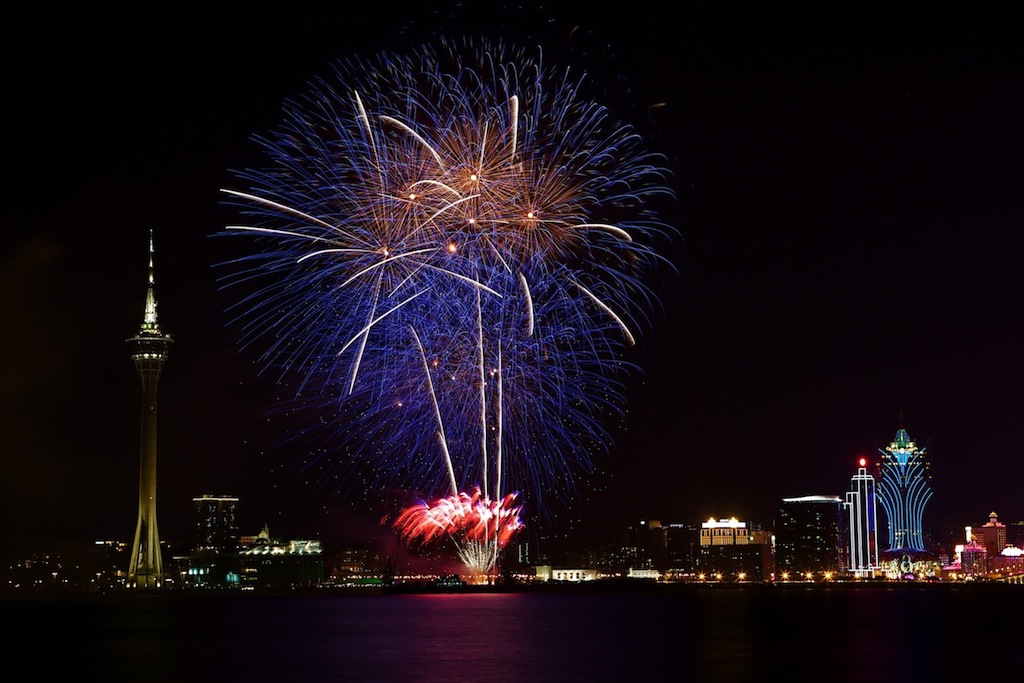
(469, 516)
(480, 527)
(457, 244)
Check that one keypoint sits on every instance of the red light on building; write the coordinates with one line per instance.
(863, 462)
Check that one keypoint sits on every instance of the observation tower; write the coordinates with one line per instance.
(149, 351)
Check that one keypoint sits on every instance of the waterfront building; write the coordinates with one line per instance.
(214, 560)
(263, 563)
(682, 542)
(275, 564)
(973, 560)
(862, 523)
(808, 537)
(546, 572)
(216, 519)
(1008, 564)
(354, 565)
(731, 551)
(149, 352)
(1015, 534)
(646, 545)
(904, 489)
(992, 535)
(663, 547)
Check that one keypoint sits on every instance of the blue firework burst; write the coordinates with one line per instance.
(454, 247)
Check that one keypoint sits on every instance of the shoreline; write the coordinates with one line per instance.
(610, 586)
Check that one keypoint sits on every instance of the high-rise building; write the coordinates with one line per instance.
(808, 536)
(682, 542)
(216, 524)
(862, 522)
(214, 561)
(731, 550)
(992, 535)
(149, 351)
(904, 489)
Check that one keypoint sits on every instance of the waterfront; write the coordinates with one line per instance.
(703, 634)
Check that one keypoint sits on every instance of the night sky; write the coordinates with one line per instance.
(849, 209)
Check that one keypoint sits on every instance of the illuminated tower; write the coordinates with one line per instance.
(904, 488)
(863, 522)
(149, 351)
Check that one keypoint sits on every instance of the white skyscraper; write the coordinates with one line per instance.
(860, 504)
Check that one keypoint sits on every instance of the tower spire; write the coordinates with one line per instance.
(149, 352)
(149, 318)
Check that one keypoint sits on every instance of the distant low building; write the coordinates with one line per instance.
(275, 564)
(574, 575)
(263, 563)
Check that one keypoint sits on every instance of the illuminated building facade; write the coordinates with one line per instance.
(973, 559)
(808, 536)
(904, 489)
(273, 563)
(565, 574)
(149, 352)
(731, 551)
(257, 562)
(862, 522)
(992, 535)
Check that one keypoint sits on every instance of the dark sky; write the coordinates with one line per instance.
(849, 205)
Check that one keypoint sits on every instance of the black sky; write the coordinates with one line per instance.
(849, 205)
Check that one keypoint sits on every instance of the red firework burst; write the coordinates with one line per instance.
(463, 516)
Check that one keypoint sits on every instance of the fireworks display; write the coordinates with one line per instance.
(454, 250)
(476, 518)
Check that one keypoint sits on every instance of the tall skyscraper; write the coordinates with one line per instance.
(216, 524)
(904, 489)
(863, 522)
(809, 536)
(149, 351)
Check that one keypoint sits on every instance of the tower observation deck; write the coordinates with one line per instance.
(149, 352)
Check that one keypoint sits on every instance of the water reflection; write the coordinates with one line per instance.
(702, 635)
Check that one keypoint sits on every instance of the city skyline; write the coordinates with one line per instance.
(846, 200)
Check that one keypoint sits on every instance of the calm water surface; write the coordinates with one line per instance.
(696, 634)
